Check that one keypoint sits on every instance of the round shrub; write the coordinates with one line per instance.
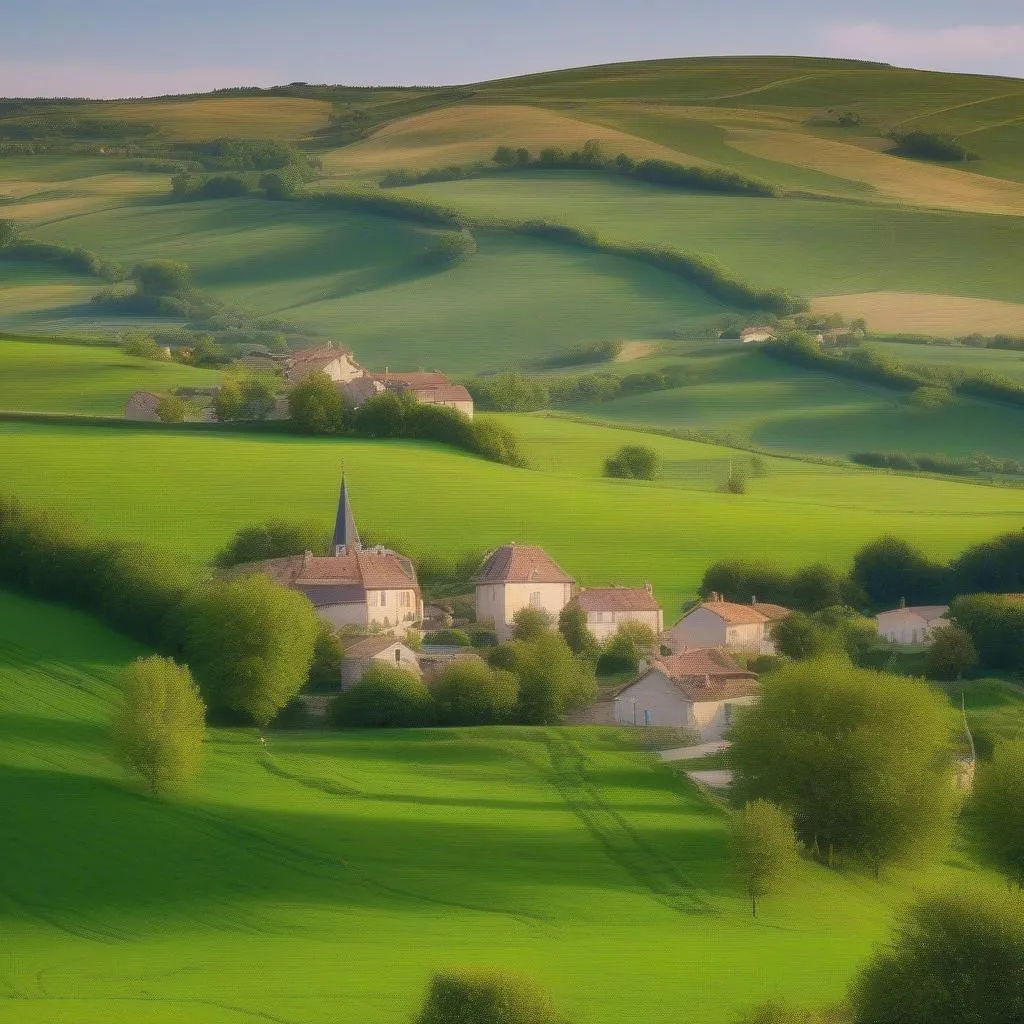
(448, 638)
(468, 692)
(386, 697)
(463, 996)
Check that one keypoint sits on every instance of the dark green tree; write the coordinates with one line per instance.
(387, 697)
(504, 156)
(799, 637)
(273, 539)
(995, 626)
(951, 654)
(863, 760)
(162, 277)
(572, 624)
(891, 570)
(316, 405)
(957, 958)
(159, 727)
(250, 644)
(381, 416)
(999, 808)
(633, 462)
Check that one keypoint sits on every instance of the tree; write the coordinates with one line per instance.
(891, 570)
(957, 958)
(995, 626)
(764, 848)
(530, 624)
(572, 624)
(951, 654)
(158, 729)
(276, 538)
(387, 697)
(171, 409)
(624, 649)
(325, 671)
(848, 630)
(246, 398)
(142, 346)
(469, 692)
(999, 808)
(504, 156)
(633, 462)
(250, 644)
(776, 1012)
(227, 402)
(162, 277)
(381, 416)
(463, 996)
(816, 586)
(316, 405)
(738, 580)
(863, 760)
(551, 680)
(799, 637)
(994, 567)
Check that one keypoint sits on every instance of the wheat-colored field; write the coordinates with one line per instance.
(455, 135)
(921, 313)
(240, 117)
(905, 181)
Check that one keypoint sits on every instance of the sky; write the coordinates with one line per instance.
(113, 48)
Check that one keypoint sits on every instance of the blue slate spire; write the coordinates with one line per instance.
(346, 536)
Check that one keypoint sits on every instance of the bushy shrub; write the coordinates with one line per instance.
(469, 692)
(633, 462)
(448, 638)
(930, 145)
(386, 697)
(464, 996)
(273, 539)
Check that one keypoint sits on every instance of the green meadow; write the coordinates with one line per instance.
(325, 878)
(46, 377)
(190, 491)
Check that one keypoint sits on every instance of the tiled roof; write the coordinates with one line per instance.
(370, 646)
(145, 399)
(733, 614)
(358, 390)
(374, 570)
(521, 563)
(328, 351)
(772, 611)
(706, 674)
(617, 599)
(415, 380)
(442, 393)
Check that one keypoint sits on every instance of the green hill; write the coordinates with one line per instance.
(325, 877)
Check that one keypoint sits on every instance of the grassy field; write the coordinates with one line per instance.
(191, 492)
(41, 377)
(349, 866)
(918, 312)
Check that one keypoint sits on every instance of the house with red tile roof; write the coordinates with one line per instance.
(517, 576)
(741, 628)
(330, 358)
(369, 587)
(431, 388)
(698, 690)
(607, 608)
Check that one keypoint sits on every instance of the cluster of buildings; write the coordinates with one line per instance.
(337, 363)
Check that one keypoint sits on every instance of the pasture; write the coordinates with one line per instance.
(191, 491)
(43, 377)
(324, 878)
(940, 315)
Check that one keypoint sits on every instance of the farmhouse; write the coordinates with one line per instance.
(911, 625)
(142, 406)
(517, 576)
(741, 628)
(386, 648)
(355, 586)
(429, 388)
(329, 358)
(755, 334)
(697, 690)
(607, 608)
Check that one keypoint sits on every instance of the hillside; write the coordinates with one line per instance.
(334, 861)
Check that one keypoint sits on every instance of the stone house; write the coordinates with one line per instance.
(755, 334)
(607, 608)
(911, 625)
(698, 690)
(741, 628)
(430, 388)
(385, 648)
(373, 588)
(142, 405)
(329, 358)
(517, 576)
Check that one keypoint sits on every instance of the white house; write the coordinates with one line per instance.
(743, 628)
(329, 358)
(698, 690)
(355, 586)
(383, 648)
(517, 576)
(607, 608)
(912, 625)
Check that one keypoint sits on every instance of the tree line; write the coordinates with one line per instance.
(15, 246)
(591, 157)
(317, 406)
(973, 465)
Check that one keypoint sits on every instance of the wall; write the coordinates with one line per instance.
(384, 608)
(498, 602)
(602, 626)
(903, 628)
(712, 718)
(701, 628)
(353, 669)
(656, 694)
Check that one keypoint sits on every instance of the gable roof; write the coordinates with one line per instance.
(704, 674)
(426, 387)
(148, 400)
(306, 361)
(924, 611)
(370, 646)
(772, 611)
(732, 614)
(521, 563)
(376, 569)
(617, 599)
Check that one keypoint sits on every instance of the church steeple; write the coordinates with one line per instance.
(346, 536)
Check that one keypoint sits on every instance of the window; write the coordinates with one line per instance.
(535, 599)
(374, 598)
(383, 599)
(405, 598)
(398, 654)
(647, 716)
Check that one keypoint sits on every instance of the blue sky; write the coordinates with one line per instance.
(140, 47)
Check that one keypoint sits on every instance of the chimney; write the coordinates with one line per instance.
(753, 599)
(648, 587)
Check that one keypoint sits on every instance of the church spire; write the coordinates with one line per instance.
(346, 536)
